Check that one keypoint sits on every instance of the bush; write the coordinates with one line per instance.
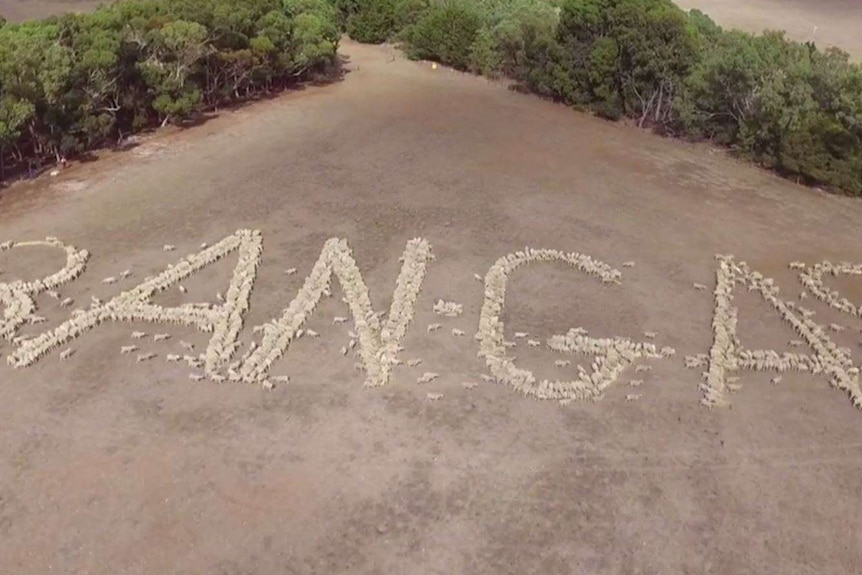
(446, 33)
(627, 57)
(376, 21)
(485, 58)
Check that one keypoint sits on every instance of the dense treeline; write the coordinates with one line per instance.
(71, 83)
(785, 105)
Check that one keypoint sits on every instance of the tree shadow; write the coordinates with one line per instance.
(331, 74)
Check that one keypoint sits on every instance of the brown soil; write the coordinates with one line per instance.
(827, 22)
(18, 10)
(111, 467)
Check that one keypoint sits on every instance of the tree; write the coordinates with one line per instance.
(174, 51)
(445, 32)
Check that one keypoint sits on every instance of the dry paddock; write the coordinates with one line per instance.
(108, 466)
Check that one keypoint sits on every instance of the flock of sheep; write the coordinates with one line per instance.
(380, 342)
(611, 355)
(134, 305)
(17, 296)
(726, 356)
(812, 279)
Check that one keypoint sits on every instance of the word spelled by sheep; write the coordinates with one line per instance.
(379, 342)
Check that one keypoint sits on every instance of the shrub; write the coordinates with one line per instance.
(446, 33)
(374, 21)
(485, 58)
(627, 57)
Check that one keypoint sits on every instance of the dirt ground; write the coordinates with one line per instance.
(18, 10)
(108, 466)
(827, 22)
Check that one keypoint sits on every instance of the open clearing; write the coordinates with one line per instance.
(17, 10)
(828, 22)
(114, 466)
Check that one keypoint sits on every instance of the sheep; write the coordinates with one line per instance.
(434, 396)
(128, 349)
(427, 377)
(448, 308)
(434, 327)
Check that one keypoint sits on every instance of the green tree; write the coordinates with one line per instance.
(445, 32)
(175, 50)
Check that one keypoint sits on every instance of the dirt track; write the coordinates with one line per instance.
(114, 467)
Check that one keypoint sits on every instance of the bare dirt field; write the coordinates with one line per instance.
(18, 10)
(110, 466)
(827, 22)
